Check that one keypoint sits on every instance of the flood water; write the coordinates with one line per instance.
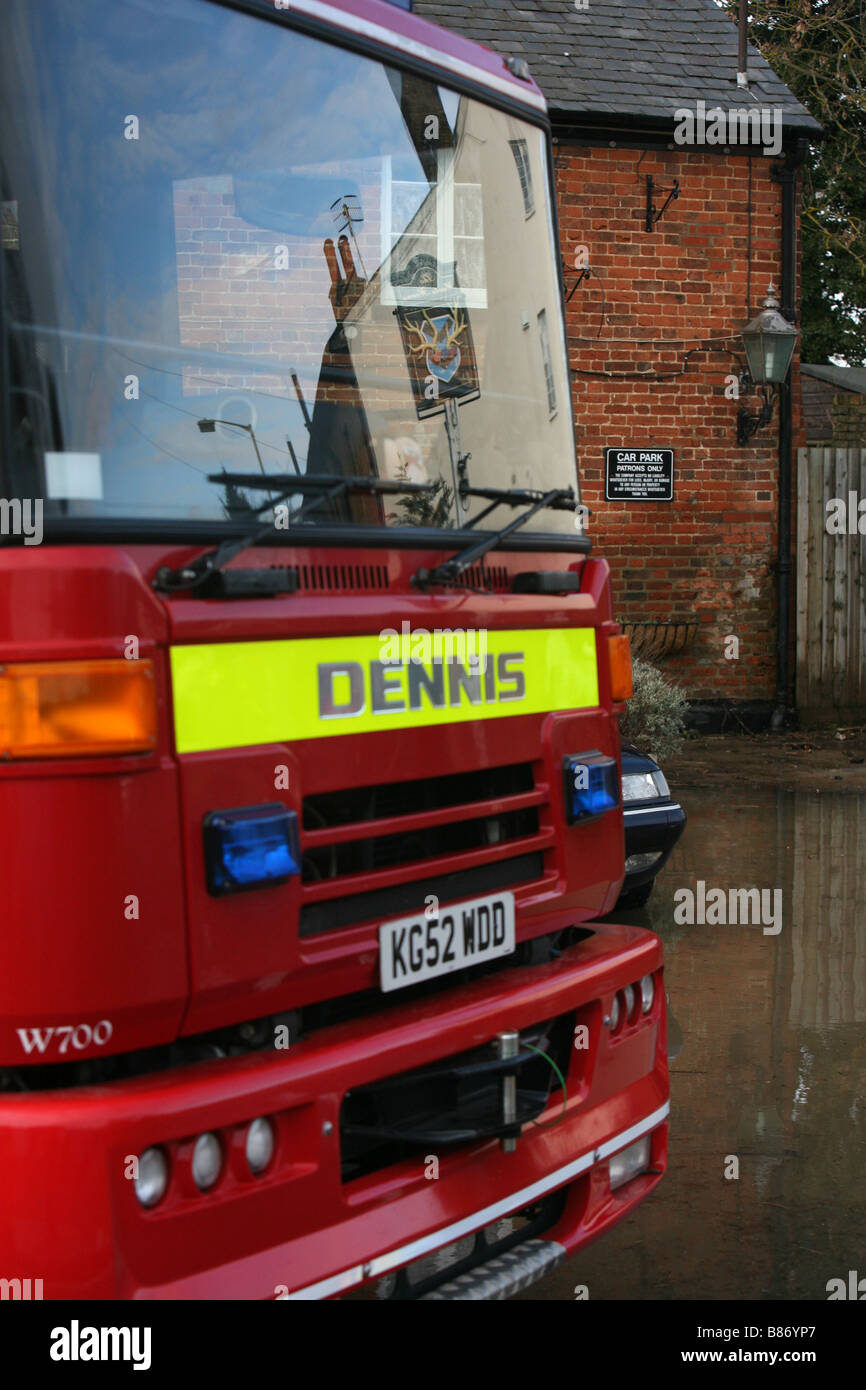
(772, 1067)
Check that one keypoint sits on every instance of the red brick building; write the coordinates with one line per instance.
(654, 331)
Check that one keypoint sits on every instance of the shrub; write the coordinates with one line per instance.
(655, 715)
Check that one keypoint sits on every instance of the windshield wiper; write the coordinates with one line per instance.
(560, 499)
(329, 485)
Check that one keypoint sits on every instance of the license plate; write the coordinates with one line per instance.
(421, 947)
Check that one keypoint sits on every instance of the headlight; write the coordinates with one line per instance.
(207, 1160)
(260, 1145)
(615, 1013)
(629, 997)
(644, 786)
(629, 1162)
(152, 1177)
(647, 993)
(636, 862)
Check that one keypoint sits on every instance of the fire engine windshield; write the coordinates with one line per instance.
(230, 247)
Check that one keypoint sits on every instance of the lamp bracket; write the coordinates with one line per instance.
(746, 383)
(654, 214)
(583, 274)
(748, 424)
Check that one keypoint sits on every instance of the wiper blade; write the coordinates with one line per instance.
(516, 496)
(314, 482)
(559, 499)
(329, 485)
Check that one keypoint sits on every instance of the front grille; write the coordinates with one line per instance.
(402, 898)
(382, 851)
(398, 798)
(396, 843)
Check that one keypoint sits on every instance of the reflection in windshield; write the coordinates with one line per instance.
(351, 273)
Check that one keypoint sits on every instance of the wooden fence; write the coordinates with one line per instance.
(831, 571)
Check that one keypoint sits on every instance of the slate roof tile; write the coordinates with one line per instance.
(632, 57)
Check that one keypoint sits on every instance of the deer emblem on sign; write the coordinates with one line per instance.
(438, 337)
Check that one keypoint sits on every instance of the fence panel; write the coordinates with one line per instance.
(831, 567)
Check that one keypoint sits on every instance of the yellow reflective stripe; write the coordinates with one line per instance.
(233, 694)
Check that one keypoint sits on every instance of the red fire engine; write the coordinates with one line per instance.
(309, 681)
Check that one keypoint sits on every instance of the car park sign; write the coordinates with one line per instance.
(638, 475)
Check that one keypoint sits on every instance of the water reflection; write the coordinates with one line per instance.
(772, 1069)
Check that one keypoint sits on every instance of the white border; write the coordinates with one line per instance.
(337, 1283)
(402, 44)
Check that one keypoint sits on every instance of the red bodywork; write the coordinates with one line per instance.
(80, 835)
(95, 830)
(299, 1226)
(115, 826)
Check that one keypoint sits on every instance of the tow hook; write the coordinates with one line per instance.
(508, 1045)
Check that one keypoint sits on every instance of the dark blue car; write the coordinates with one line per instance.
(653, 824)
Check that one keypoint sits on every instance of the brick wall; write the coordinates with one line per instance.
(817, 409)
(259, 294)
(832, 415)
(848, 414)
(645, 375)
(236, 294)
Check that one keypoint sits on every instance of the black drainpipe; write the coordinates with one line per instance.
(785, 172)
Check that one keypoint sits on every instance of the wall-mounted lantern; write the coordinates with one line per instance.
(769, 341)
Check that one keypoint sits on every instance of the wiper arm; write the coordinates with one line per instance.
(329, 485)
(560, 499)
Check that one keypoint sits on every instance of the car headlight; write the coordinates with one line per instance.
(638, 862)
(644, 786)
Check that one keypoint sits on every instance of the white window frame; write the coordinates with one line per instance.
(445, 296)
(520, 147)
(547, 361)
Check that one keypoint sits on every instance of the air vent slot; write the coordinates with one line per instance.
(365, 579)
(487, 577)
(336, 578)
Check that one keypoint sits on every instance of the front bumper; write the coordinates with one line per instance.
(651, 828)
(299, 1230)
(582, 1220)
